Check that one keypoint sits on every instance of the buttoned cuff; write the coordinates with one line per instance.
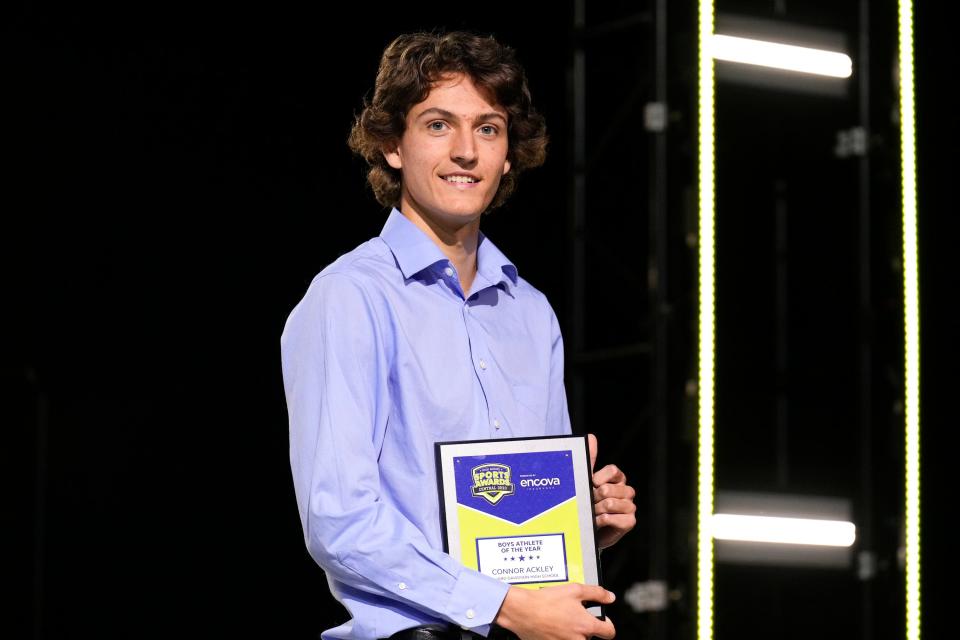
(475, 600)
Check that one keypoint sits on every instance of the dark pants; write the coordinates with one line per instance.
(450, 632)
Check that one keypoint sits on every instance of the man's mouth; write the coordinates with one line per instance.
(461, 179)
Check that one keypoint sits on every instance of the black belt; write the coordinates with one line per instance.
(449, 632)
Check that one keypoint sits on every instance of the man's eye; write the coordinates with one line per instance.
(488, 130)
(436, 125)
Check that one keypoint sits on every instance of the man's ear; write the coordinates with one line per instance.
(506, 167)
(391, 153)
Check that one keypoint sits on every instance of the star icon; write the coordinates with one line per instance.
(513, 557)
(521, 558)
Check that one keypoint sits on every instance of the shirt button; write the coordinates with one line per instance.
(483, 363)
(448, 271)
(496, 424)
(470, 614)
(402, 586)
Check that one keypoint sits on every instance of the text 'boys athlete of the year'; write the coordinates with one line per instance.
(427, 333)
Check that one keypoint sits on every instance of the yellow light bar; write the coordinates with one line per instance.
(911, 324)
(705, 383)
(781, 56)
(828, 533)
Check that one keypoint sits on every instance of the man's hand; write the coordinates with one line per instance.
(612, 500)
(555, 613)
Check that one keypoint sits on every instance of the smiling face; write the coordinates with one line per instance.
(452, 154)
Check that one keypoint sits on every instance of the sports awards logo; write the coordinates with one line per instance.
(491, 482)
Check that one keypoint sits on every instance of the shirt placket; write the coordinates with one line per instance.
(484, 366)
(487, 372)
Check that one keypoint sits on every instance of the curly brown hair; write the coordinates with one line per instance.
(410, 67)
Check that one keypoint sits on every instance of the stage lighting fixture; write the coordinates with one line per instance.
(776, 55)
(779, 55)
(783, 529)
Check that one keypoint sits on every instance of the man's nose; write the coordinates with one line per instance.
(464, 147)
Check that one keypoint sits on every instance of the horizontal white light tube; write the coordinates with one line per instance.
(780, 56)
(829, 533)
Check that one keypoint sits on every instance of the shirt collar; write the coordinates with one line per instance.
(493, 265)
(411, 247)
(415, 251)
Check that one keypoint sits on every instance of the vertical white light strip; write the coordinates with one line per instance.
(911, 326)
(706, 328)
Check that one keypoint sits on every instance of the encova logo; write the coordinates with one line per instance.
(540, 482)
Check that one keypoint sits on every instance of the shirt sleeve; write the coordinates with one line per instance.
(558, 415)
(335, 371)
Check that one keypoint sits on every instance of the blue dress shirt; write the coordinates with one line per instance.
(384, 356)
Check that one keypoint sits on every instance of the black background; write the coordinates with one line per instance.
(175, 175)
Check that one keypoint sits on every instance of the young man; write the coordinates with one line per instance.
(427, 333)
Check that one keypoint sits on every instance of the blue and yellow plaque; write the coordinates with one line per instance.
(520, 510)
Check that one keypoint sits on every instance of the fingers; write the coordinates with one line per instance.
(556, 613)
(622, 491)
(610, 474)
(614, 506)
(595, 593)
(605, 629)
(622, 522)
(592, 447)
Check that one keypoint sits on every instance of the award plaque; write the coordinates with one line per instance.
(520, 510)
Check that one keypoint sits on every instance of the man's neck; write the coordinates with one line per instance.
(457, 243)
